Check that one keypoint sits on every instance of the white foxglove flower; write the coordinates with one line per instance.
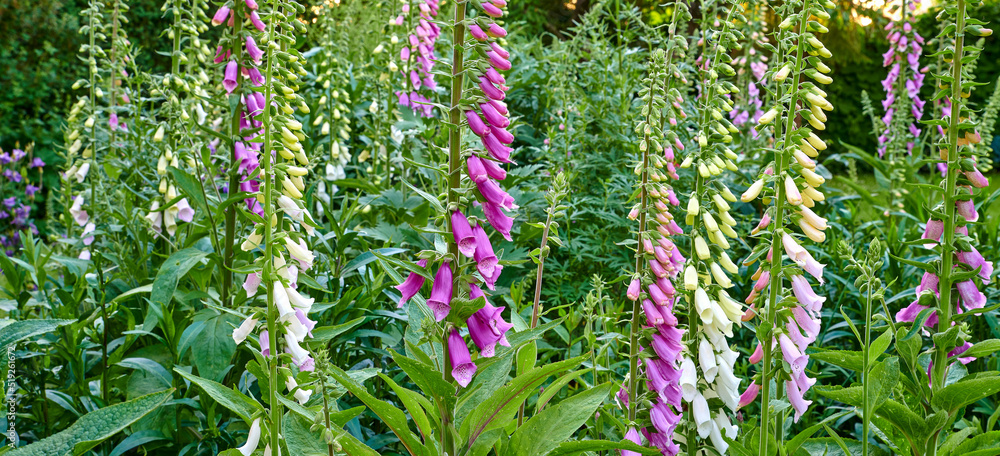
(298, 301)
(689, 379)
(281, 300)
(706, 359)
(240, 334)
(702, 416)
(253, 438)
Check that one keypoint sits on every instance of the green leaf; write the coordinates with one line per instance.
(982, 349)
(556, 424)
(136, 440)
(325, 333)
(965, 392)
(596, 446)
(987, 444)
(389, 414)
(955, 439)
(228, 398)
(23, 329)
(427, 196)
(828, 446)
(215, 347)
(501, 406)
(883, 378)
(411, 400)
(368, 257)
(428, 379)
(152, 367)
(170, 274)
(908, 348)
(190, 186)
(850, 396)
(848, 359)
(301, 441)
(879, 346)
(95, 427)
(908, 422)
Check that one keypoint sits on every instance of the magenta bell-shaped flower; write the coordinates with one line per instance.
(486, 260)
(477, 32)
(462, 367)
(252, 50)
(487, 327)
(498, 219)
(441, 292)
(633, 289)
(221, 15)
(477, 170)
(476, 123)
(232, 74)
(750, 395)
(411, 286)
(493, 116)
(463, 234)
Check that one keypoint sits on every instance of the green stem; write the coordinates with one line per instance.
(866, 419)
(269, 272)
(947, 244)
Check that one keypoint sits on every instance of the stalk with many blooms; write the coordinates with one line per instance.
(282, 224)
(711, 311)
(457, 299)
(789, 320)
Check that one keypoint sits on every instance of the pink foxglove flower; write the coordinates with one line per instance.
(462, 367)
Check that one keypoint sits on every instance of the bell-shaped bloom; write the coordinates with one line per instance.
(975, 260)
(477, 170)
(493, 116)
(252, 283)
(688, 379)
(706, 360)
(495, 195)
(795, 397)
(299, 355)
(253, 437)
(977, 178)
(757, 354)
(487, 262)
(801, 257)
(477, 32)
(476, 123)
(231, 76)
(498, 219)
(972, 298)
(253, 51)
(967, 209)
(411, 286)
(80, 216)
(933, 231)
(297, 301)
(792, 355)
(750, 395)
(281, 299)
(805, 294)
(496, 148)
(240, 333)
(441, 292)
(463, 234)
(487, 327)
(265, 343)
(185, 212)
(634, 288)
(632, 436)
(221, 15)
(462, 367)
(494, 170)
(257, 23)
(666, 347)
(663, 417)
(701, 414)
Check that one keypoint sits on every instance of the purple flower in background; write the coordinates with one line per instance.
(36, 163)
(30, 190)
(12, 176)
(5, 158)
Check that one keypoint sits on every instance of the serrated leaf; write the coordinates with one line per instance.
(982, 349)
(965, 392)
(170, 274)
(555, 424)
(230, 399)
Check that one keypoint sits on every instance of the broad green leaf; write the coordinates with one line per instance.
(428, 379)
(502, 404)
(190, 186)
(879, 346)
(412, 404)
(298, 438)
(152, 367)
(325, 333)
(850, 395)
(135, 440)
(955, 439)
(965, 392)
(23, 329)
(906, 420)
(908, 348)
(95, 427)
(556, 424)
(848, 359)
(987, 444)
(596, 446)
(170, 274)
(354, 447)
(982, 349)
(215, 347)
(884, 377)
(829, 446)
(228, 398)
(393, 417)
(368, 257)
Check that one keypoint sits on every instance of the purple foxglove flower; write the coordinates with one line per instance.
(221, 15)
(792, 355)
(477, 32)
(491, 10)
(757, 354)
(477, 170)
(463, 234)
(910, 312)
(933, 231)
(498, 219)
(972, 298)
(411, 285)
(252, 5)
(487, 327)
(977, 178)
(801, 257)
(493, 116)
(495, 195)
(185, 212)
(652, 312)
(499, 50)
(664, 419)
(805, 294)
(232, 74)
(490, 90)
(265, 346)
(634, 288)
(763, 281)
(496, 31)
(462, 367)
(476, 123)
(750, 395)
(496, 149)
(795, 397)
(974, 259)
(255, 77)
(962, 349)
(806, 322)
(30, 190)
(113, 122)
(666, 348)
(486, 260)
(502, 135)
(252, 50)
(657, 295)
(493, 169)
(441, 292)
(252, 283)
(495, 77)
(657, 268)
(257, 23)
(632, 436)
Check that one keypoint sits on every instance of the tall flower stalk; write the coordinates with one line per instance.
(281, 221)
(651, 289)
(952, 286)
(711, 311)
(789, 320)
